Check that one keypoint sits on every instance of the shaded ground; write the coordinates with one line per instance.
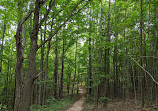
(115, 105)
(78, 105)
(120, 105)
(123, 105)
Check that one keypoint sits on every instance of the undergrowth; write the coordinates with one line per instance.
(53, 104)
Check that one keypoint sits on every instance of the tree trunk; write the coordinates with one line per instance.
(74, 79)
(62, 72)
(100, 53)
(41, 70)
(46, 71)
(68, 83)
(90, 58)
(56, 68)
(115, 68)
(107, 62)
(44, 77)
(141, 53)
(19, 77)
(124, 60)
(31, 69)
(100, 35)
(1, 52)
(19, 71)
(46, 61)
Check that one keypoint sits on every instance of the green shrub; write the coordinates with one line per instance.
(3, 107)
(52, 104)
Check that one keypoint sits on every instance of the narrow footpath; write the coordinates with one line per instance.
(78, 105)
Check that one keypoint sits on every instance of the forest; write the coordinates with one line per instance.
(103, 53)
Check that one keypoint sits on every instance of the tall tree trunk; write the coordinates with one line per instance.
(107, 61)
(19, 77)
(46, 71)
(31, 69)
(44, 77)
(62, 71)
(46, 61)
(1, 51)
(41, 70)
(6, 81)
(115, 68)
(90, 58)
(100, 52)
(19, 71)
(124, 60)
(74, 79)
(141, 53)
(156, 54)
(68, 84)
(56, 68)
(115, 57)
(100, 36)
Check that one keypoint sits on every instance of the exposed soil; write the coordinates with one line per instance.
(78, 105)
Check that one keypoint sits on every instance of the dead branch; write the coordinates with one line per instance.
(144, 70)
(146, 56)
(150, 57)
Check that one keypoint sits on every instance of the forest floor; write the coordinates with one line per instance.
(119, 105)
(123, 105)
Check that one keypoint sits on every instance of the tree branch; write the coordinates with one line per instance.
(37, 76)
(144, 70)
(70, 15)
(150, 57)
(147, 56)
(46, 14)
(28, 15)
(62, 9)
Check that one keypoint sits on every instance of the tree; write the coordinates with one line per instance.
(107, 60)
(111, 51)
(90, 58)
(31, 69)
(141, 53)
(62, 72)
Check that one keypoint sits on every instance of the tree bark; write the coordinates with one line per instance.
(19, 77)
(44, 77)
(100, 35)
(46, 70)
(115, 57)
(1, 53)
(100, 52)
(141, 53)
(74, 79)
(31, 69)
(62, 71)
(90, 57)
(107, 66)
(56, 68)
(41, 70)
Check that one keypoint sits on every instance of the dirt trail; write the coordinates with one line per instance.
(78, 105)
